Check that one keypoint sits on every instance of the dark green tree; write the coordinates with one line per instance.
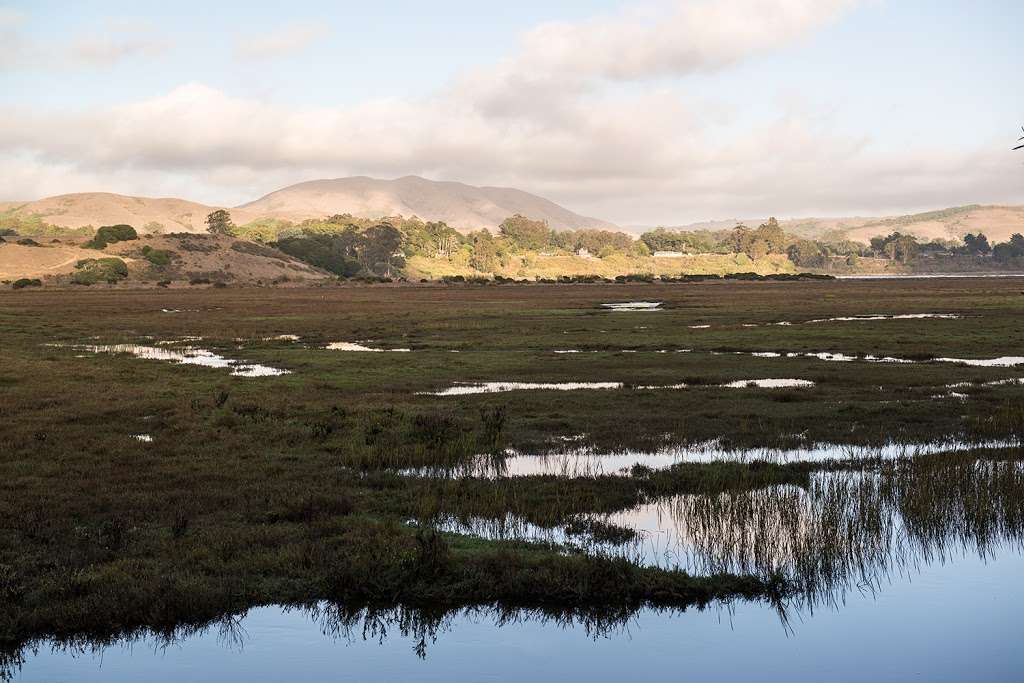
(219, 223)
(806, 254)
(525, 233)
(773, 236)
(486, 256)
(380, 251)
(976, 245)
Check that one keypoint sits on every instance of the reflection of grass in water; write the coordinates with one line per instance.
(822, 534)
(853, 529)
(421, 626)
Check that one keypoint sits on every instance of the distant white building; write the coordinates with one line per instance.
(583, 252)
(668, 254)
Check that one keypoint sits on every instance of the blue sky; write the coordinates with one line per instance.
(660, 111)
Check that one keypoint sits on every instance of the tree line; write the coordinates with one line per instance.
(350, 246)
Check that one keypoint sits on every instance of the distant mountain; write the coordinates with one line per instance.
(461, 206)
(464, 207)
(997, 222)
(104, 208)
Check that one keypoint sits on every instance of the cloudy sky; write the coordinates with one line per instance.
(640, 112)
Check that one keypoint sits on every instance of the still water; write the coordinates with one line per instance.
(909, 571)
(957, 621)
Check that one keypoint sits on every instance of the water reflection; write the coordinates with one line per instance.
(473, 388)
(586, 461)
(839, 541)
(845, 530)
(959, 624)
(339, 625)
(186, 356)
(634, 306)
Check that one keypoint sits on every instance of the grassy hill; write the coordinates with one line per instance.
(997, 222)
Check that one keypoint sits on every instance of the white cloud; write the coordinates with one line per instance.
(562, 128)
(14, 46)
(689, 37)
(282, 42)
(109, 47)
(104, 45)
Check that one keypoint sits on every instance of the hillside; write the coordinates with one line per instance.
(188, 258)
(997, 222)
(103, 208)
(461, 206)
(465, 208)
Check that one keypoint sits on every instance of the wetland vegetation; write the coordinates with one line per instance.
(155, 480)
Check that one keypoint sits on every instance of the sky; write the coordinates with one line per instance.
(640, 112)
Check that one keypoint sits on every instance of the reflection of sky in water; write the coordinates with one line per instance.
(588, 462)
(187, 356)
(840, 532)
(471, 388)
(954, 622)
(934, 609)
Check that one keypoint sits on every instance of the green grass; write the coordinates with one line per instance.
(282, 490)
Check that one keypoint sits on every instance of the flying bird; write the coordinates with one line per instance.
(1021, 139)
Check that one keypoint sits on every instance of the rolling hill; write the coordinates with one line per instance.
(461, 206)
(208, 257)
(997, 222)
(104, 208)
(464, 207)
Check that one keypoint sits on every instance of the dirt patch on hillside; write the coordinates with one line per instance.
(188, 258)
(213, 258)
(17, 261)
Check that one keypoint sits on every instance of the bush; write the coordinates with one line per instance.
(254, 249)
(92, 271)
(26, 282)
(28, 242)
(635, 277)
(158, 257)
(335, 253)
(108, 234)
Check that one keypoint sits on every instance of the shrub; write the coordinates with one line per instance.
(92, 271)
(203, 244)
(108, 234)
(26, 282)
(254, 249)
(158, 257)
(635, 277)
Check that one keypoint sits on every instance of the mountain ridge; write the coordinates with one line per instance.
(464, 207)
